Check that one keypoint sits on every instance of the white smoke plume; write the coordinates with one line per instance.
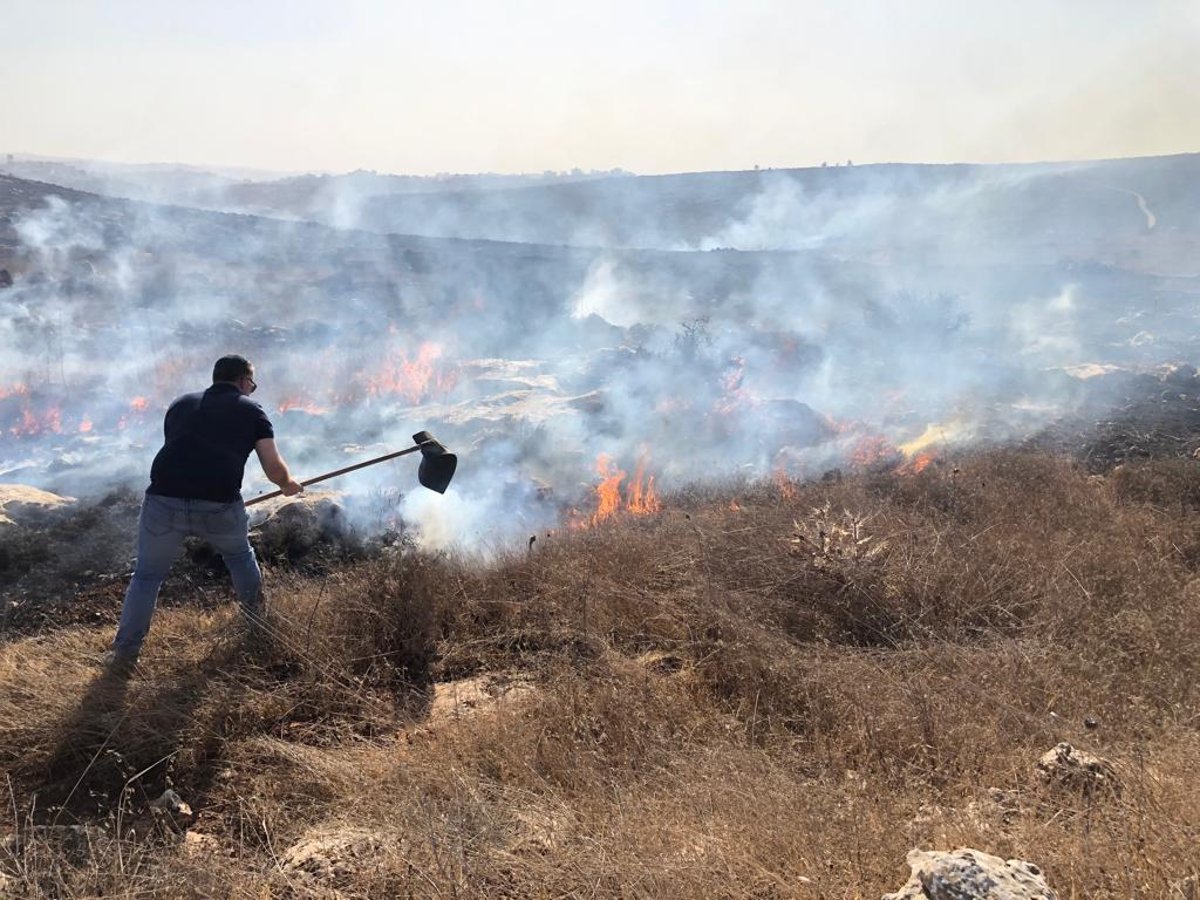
(834, 316)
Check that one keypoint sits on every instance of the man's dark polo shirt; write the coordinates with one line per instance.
(209, 435)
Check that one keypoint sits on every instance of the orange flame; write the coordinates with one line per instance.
(732, 384)
(641, 498)
(85, 425)
(917, 464)
(137, 410)
(787, 487)
(608, 492)
(872, 451)
(33, 424)
(413, 379)
(289, 403)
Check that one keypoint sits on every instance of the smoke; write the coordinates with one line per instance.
(814, 315)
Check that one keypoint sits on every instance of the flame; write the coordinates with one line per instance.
(920, 451)
(734, 506)
(137, 410)
(641, 498)
(289, 403)
(787, 487)
(735, 393)
(85, 425)
(414, 379)
(931, 433)
(872, 451)
(33, 424)
(917, 464)
(608, 492)
(838, 426)
(875, 452)
(16, 390)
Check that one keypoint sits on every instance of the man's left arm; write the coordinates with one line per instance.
(275, 468)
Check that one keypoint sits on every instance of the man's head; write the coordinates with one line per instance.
(236, 370)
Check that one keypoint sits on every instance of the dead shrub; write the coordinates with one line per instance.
(1172, 485)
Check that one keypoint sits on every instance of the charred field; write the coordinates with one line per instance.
(768, 689)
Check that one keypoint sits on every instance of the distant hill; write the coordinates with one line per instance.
(315, 196)
(336, 199)
(159, 183)
(1139, 213)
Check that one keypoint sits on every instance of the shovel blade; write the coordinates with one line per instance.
(435, 472)
(437, 463)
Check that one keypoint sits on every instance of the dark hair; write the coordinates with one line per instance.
(231, 368)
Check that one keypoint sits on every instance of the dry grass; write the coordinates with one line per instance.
(757, 693)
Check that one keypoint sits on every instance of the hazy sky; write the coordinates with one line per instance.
(647, 85)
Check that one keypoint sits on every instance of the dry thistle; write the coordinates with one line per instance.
(827, 540)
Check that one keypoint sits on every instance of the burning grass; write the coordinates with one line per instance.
(773, 690)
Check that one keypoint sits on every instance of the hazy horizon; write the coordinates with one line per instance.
(650, 87)
(249, 172)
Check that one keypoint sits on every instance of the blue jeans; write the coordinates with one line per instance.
(163, 524)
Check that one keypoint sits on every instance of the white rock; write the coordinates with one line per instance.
(16, 499)
(331, 854)
(1065, 766)
(171, 802)
(967, 874)
(196, 844)
(299, 522)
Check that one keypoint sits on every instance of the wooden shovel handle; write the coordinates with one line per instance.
(362, 465)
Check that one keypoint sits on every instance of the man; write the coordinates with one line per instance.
(195, 489)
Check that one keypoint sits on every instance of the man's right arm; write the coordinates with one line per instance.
(275, 468)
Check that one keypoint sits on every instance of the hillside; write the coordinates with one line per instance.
(1136, 213)
(301, 196)
(1141, 214)
(538, 359)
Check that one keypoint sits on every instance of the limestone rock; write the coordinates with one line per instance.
(17, 500)
(166, 814)
(172, 804)
(477, 695)
(195, 844)
(332, 855)
(293, 526)
(967, 874)
(1066, 766)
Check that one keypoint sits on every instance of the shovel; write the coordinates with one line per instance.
(436, 469)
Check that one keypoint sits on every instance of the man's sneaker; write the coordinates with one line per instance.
(118, 665)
